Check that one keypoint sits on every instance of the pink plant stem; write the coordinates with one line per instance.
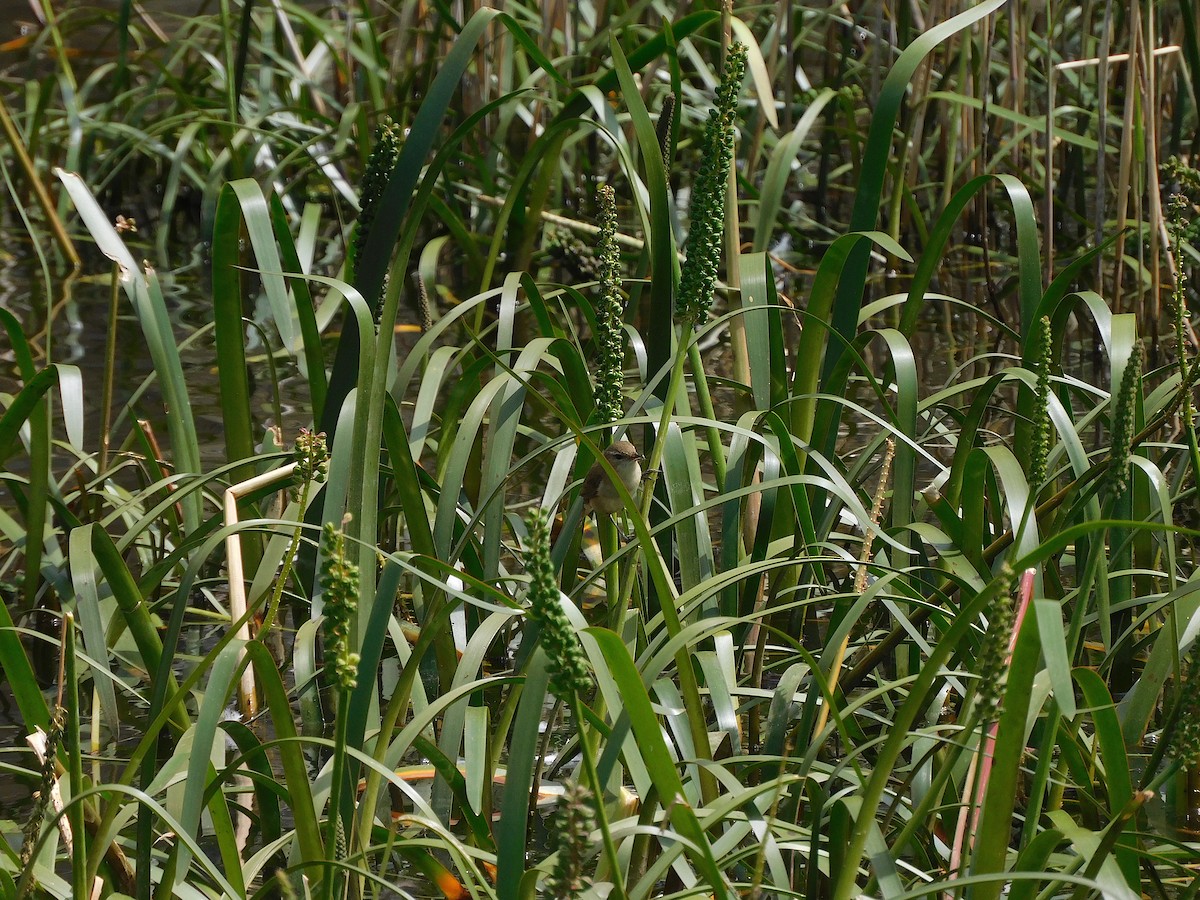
(983, 759)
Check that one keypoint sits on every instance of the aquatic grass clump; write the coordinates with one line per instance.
(675, 699)
(698, 278)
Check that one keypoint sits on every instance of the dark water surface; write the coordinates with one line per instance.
(22, 21)
(65, 320)
(24, 16)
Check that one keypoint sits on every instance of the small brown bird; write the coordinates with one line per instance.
(598, 490)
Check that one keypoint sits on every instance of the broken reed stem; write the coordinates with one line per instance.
(860, 580)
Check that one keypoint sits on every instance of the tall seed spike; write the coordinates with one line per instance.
(1040, 443)
(666, 122)
(610, 311)
(698, 278)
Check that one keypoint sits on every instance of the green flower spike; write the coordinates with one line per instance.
(662, 130)
(610, 313)
(1186, 181)
(339, 585)
(579, 257)
(424, 306)
(573, 823)
(33, 827)
(568, 668)
(375, 179)
(698, 279)
(993, 653)
(1179, 210)
(1117, 477)
(1040, 444)
(1185, 742)
(312, 457)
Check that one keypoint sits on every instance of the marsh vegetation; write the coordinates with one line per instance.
(893, 299)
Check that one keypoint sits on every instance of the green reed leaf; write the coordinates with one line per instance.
(514, 814)
(658, 759)
(1117, 780)
(142, 287)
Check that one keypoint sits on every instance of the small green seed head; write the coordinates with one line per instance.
(662, 130)
(339, 586)
(424, 306)
(573, 824)
(565, 659)
(610, 314)
(312, 456)
(1185, 742)
(33, 826)
(380, 164)
(698, 278)
(1040, 443)
(576, 255)
(1124, 423)
(993, 653)
(1184, 183)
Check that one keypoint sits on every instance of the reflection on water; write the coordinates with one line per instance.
(66, 319)
(88, 25)
(27, 14)
(77, 335)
